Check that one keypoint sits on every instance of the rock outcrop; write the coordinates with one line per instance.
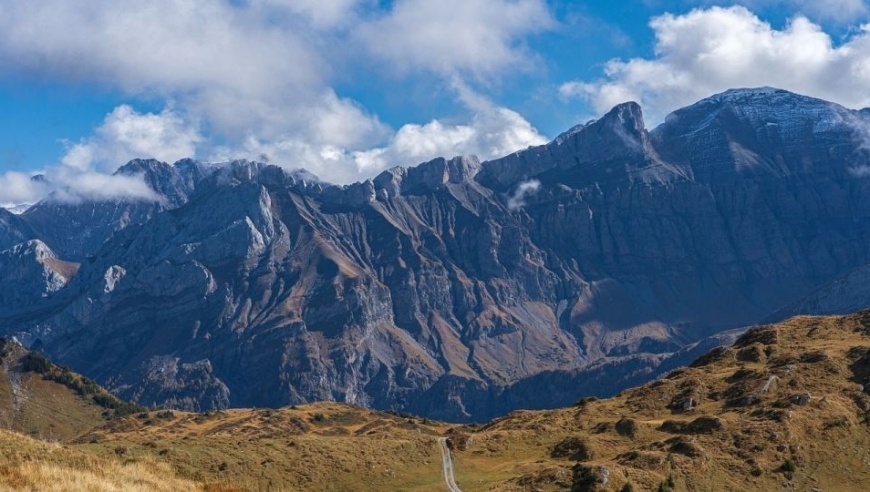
(29, 273)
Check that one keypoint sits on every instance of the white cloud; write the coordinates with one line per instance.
(322, 13)
(712, 50)
(156, 45)
(258, 74)
(492, 133)
(203, 52)
(126, 134)
(523, 191)
(17, 188)
(73, 186)
(85, 170)
(456, 36)
(860, 171)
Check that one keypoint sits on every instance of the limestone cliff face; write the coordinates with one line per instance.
(459, 289)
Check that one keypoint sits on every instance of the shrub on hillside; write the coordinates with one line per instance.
(34, 362)
(572, 447)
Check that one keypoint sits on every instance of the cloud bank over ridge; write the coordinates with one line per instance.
(258, 77)
(707, 51)
(251, 78)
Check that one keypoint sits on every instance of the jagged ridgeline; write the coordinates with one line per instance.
(454, 289)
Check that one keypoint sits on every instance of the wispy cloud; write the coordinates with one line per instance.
(71, 185)
(78, 186)
(523, 191)
(85, 171)
(18, 188)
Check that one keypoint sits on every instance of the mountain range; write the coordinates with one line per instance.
(455, 289)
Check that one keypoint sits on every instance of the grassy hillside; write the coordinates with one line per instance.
(47, 401)
(324, 446)
(107, 443)
(29, 464)
(786, 406)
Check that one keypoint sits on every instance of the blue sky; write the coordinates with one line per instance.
(347, 88)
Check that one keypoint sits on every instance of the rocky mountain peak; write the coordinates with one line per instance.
(611, 151)
(76, 230)
(428, 176)
(626, 117)
(34, 247)
(241, 172)
(760, 107)
(764, 131)
(142, 166)
(753, 95)
(620, 133)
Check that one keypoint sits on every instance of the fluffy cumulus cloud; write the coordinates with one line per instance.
(69, 185)
(126, 134)
(711, 50)
(85, 171)
(491, 133)
(256, 78)
(206, 52)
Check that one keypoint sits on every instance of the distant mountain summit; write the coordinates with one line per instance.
(76, 229)
(458, 289)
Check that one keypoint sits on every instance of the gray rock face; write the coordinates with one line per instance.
(14, 230)
(434, 290)
(190, 386)
(843, 295)
(29, 273)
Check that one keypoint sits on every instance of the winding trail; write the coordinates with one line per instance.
(447, 464)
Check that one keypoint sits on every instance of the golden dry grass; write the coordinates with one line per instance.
(324, 446)
(734, 437)
(30, 465)
(746, 439)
